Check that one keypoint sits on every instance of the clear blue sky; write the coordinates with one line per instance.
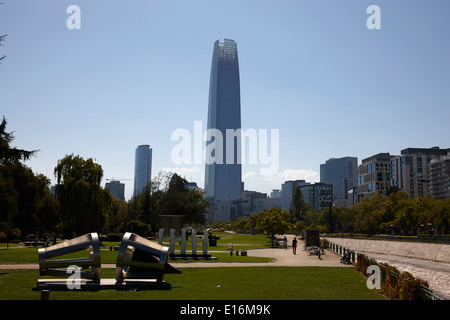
(138, 70)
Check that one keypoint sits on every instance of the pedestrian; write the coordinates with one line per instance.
(294, 245)
(285, 242)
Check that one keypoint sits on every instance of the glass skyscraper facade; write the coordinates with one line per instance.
(223, 176)
(341, 173)
(142, 168)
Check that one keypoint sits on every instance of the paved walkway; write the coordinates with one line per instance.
(282, 257)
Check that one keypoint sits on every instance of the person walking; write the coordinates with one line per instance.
(294, 245)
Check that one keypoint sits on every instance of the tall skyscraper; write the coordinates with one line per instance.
(341, 174)
(142, 168)
(223, 176)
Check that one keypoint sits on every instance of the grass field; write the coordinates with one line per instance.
(240, 242)
(232, 283)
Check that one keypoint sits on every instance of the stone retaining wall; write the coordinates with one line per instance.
(427, 251)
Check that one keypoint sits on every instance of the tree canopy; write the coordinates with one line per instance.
(273, 221)
(8, 154)
(168, 194)
(26, 205)
(84, 204)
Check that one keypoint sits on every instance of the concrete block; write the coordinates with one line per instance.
(444, 254)
(427, 251)
(376, 246)
(357, 244)
(398, 248)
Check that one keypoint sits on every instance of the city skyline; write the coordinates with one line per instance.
(132, 74)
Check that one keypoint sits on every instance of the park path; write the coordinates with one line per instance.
(281, 258)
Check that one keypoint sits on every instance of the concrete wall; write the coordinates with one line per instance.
(427, 251)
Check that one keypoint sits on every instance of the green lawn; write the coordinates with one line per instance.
(240, 242)
(30, 255)
(232, 283)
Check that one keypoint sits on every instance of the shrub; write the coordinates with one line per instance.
(395, 285)
(114, 237)
(362, 263)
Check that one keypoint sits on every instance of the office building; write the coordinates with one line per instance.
(318, 195)
(410, 170)
(341, 174)
(287, 189)
(223, 175)
(374, 175)
(276, 193)
(142, 168)
(439, 172)
(116, 188)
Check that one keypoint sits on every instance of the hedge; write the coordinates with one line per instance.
(396, 285)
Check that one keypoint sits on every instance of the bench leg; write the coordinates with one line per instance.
(45, 295)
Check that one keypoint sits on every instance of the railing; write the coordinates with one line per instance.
(425, 293)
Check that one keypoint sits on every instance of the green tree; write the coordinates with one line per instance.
(273, 221)
(8, 154)
(181, 200)
(442, 219)
(24, 196)
(117, 216)
(346, 219)
(395, 213)
(298, 227)
(299, 206)
(84, 204)
(168, 194)
(368, 213)
(313, 218)
(242, 224)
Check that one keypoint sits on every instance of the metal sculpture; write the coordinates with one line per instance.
(141, 265)
(59, 267)
(139, 258)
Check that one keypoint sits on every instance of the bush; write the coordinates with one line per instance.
(114, 237)
(395, 285)
(362, 263)
(142, 229)
(390, 284)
